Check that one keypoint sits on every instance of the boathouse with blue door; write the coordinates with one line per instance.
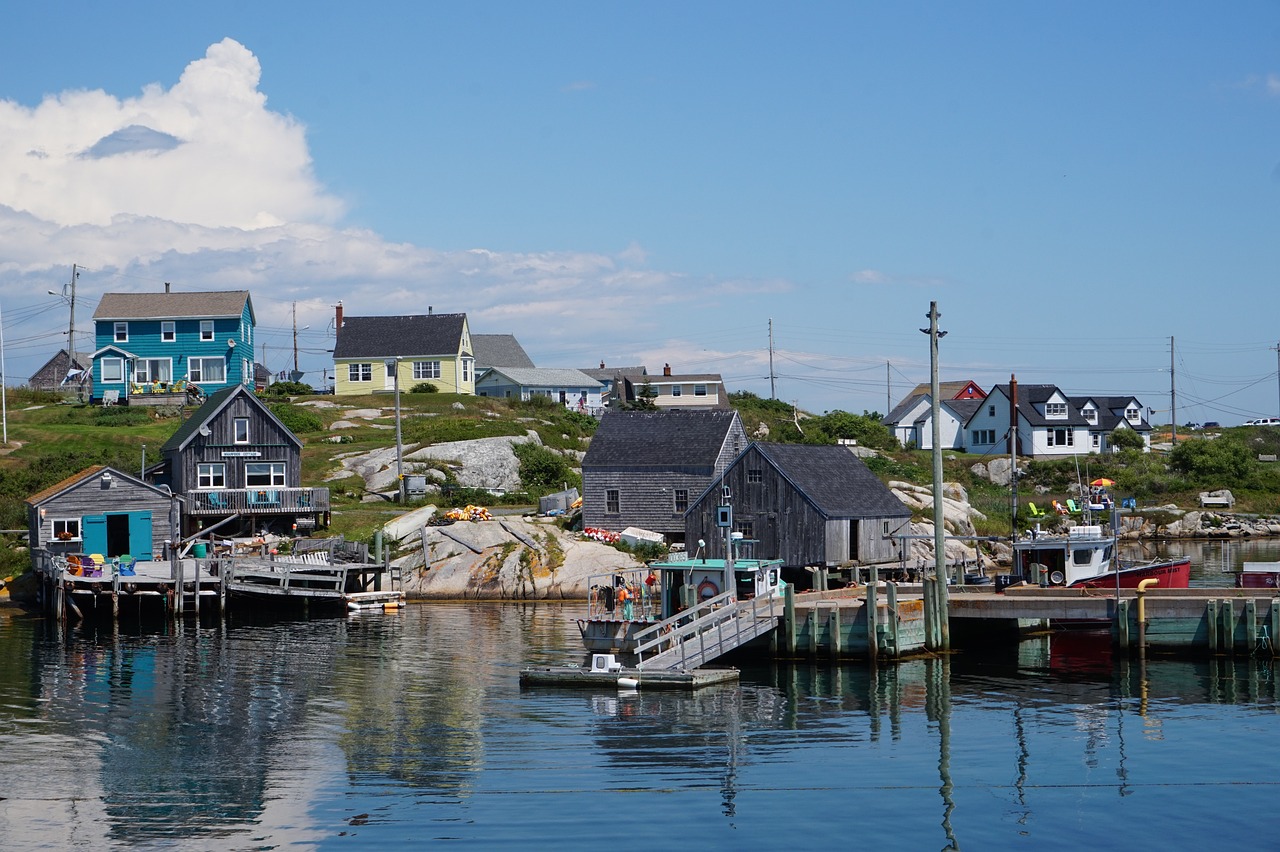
(103, 511)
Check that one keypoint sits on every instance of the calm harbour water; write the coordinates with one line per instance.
(406, 729)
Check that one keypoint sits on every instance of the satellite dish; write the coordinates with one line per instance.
(231, 344)
(205, 431)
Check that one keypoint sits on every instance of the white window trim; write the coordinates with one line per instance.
(235, 433)
(426, 370)
(119, 365)
(207, 331)
(196, 364)
(360, 372)
(168, 331)
(53, 531)
(279, 471)
(120, 332)
(221, 468)
(150, 378)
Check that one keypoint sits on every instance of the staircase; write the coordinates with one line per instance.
(701, 634)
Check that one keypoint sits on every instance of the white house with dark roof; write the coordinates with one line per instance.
(571, 388)
(371, 352)
(1106, 414)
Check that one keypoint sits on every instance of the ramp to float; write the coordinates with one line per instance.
(706, 632)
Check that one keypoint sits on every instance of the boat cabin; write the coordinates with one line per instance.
(1063, 560)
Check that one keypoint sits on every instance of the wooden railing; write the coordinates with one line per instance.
(257, 501)
(709, 630)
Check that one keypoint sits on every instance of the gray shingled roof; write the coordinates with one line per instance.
(499, 350)
(559, 377)
(126, 306)
(608, 374)
(836, 481)
(407, 336)
(1108, 406)
(664, 440)
(1029, 395)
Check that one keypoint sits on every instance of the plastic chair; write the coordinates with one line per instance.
(1036, 511)
(1073, 507)
(126, 565)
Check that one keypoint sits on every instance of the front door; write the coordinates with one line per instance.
(118, 533)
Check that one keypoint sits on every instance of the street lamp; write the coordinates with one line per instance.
(393, 366)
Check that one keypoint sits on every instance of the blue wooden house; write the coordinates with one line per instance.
(151, 345)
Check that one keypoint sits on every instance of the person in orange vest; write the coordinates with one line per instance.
(624, 597)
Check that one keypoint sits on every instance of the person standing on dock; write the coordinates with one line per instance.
(624, 597)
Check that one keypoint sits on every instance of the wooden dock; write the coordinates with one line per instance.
(178, 586)
(581, 677)
(892, 622)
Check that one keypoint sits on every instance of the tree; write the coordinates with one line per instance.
(1127, 439)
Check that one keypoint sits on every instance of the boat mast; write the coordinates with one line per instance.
(1013, 450)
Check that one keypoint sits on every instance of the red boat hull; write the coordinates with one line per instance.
(1175, 574)
(1258, 580)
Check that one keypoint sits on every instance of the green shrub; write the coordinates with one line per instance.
(298, 420)
(118, 415)
(543, 471)
(288, 389)
(424, 387)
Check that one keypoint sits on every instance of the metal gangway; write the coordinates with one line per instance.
(706, 631)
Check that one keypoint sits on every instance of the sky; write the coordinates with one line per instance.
(1089, 191)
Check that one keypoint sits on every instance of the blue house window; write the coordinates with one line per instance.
(168, 331)
(208, 370)
(122, 332)
(206, 330)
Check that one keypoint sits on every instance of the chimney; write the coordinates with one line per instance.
(428, 310)
(666, 369)
(166, 286)
(601, 363)
(337, 317)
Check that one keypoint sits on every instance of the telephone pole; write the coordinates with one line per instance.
(1173, 399)
(295, 341)
(773, 390)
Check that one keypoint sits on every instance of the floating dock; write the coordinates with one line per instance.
(581, 677)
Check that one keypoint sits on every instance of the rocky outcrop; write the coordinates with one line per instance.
(957, 515)
(487, 463)
(508, 558)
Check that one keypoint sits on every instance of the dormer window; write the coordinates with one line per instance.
(1055, 409)
(1133, 415)
(1091, 415)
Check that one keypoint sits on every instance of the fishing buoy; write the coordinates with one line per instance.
(628, 683)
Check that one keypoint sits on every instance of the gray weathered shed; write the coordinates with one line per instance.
(644, 468)
(805, 504)
(101, 510)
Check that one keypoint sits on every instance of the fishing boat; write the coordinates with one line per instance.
(1085, 558)
(625, 603)
(1259, 575)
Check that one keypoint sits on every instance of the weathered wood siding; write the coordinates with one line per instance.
(646, 498)
(267, 437)
(94, 496)
(784, 522)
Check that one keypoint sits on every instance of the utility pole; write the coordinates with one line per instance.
(295, 339)
(773, 391)
(888, 390)
(1277, 348)
(939, 531)
(71, 325)
(1173, 398)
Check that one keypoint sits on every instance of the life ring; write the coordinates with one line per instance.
(1056, 578)
(707, 590)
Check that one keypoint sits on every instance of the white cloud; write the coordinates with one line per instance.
(203, 186)
(206, 152)
(1273, 85)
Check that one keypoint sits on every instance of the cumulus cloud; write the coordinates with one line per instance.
(204, 186)
(214, 155)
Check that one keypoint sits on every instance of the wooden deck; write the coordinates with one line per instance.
(580, 677)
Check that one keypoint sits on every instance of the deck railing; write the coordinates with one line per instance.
(258, 501)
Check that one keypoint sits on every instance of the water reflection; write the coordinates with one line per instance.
(413, 727)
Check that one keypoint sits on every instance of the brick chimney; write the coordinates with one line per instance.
(601, 363)
(166, 286)
(666, 369)
(337, 317)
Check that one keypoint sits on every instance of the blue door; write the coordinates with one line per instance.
(93, 532)
(140, 535)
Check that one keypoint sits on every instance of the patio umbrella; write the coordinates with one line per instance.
(1103, 482)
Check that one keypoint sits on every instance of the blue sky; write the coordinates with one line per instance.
(1074, 184)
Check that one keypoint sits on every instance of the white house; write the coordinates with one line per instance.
(571, 388)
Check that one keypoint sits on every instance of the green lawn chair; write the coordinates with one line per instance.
(1072, 507)
(1035, 510)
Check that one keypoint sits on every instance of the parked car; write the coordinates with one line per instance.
(1263, 421)
(1194, 427)
(1212, 424)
